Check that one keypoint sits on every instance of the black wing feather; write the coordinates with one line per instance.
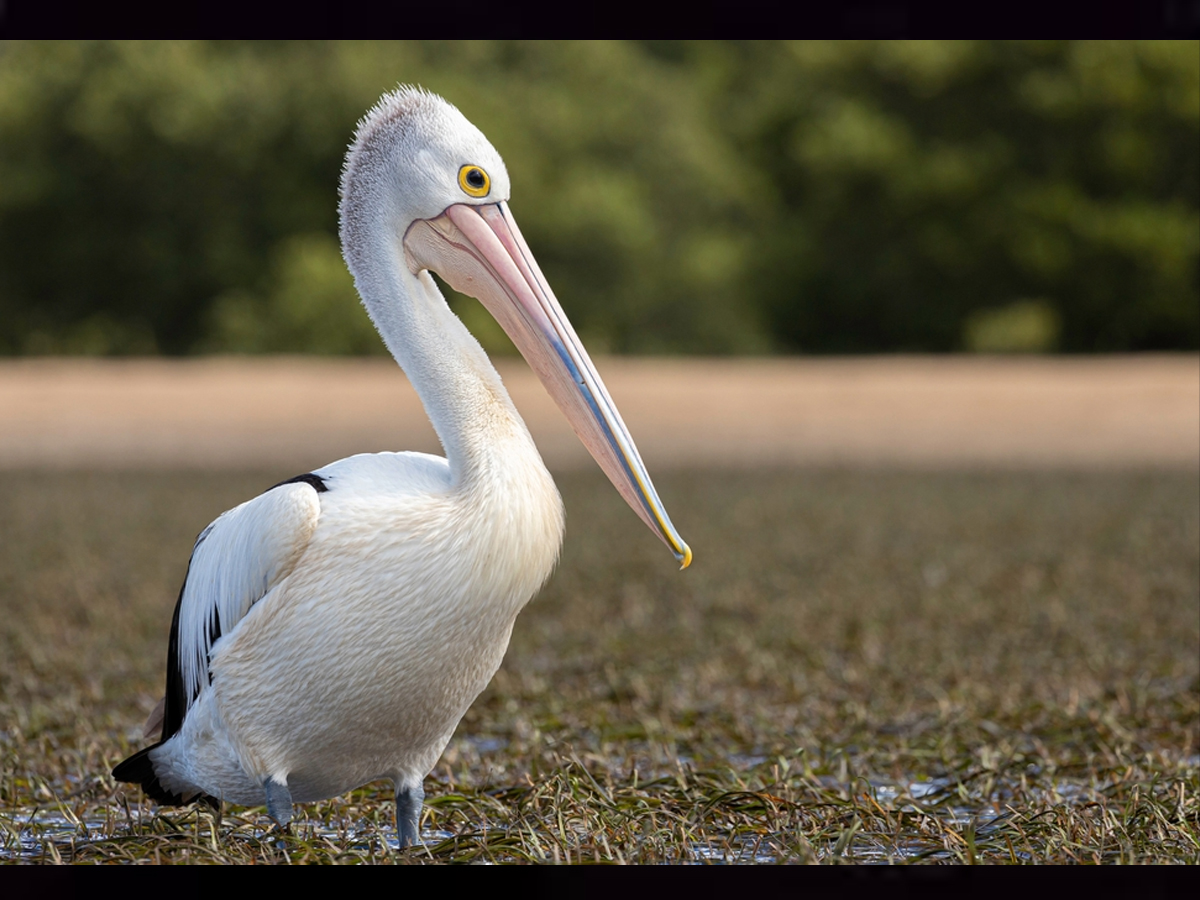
(139, 769)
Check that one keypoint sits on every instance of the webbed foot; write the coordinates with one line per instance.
(216, 807)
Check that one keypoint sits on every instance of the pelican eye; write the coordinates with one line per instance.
(474, 181)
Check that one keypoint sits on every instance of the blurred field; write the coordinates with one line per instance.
(1094, 412)
(992, 662)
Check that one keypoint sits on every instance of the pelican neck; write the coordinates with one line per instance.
(475, 420)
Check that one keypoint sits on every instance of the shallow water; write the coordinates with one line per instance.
(47, 835)
(54, 834)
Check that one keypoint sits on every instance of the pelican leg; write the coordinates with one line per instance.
(408, 814)
(279, 801)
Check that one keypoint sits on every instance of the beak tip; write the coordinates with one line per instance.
(685, 558)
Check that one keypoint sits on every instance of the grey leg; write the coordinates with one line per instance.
(279, 802)
(408, 814)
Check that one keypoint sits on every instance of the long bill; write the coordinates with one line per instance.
(480, 251)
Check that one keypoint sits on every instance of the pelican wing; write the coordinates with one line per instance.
(237, 560)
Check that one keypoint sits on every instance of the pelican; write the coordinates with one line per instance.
(334, 630)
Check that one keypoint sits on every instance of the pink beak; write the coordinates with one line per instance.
(479, 251)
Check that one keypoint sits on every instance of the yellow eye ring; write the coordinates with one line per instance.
(474, 181)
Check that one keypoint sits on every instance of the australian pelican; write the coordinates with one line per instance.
(333, 630)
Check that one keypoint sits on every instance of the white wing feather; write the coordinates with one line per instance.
(237, 560)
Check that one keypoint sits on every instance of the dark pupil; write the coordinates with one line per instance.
(475, 178)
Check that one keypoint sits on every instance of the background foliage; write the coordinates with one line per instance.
(699, 198)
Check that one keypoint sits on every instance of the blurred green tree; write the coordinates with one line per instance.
(682, 197)
(917, 182)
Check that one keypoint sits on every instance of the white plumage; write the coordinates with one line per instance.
(333, 630)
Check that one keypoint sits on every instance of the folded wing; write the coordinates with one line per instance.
(237, 560)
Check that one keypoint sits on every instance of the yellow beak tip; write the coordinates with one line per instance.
(685, 558)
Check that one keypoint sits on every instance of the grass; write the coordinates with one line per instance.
(915, 667)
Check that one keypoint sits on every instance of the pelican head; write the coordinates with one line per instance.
(427, 180)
